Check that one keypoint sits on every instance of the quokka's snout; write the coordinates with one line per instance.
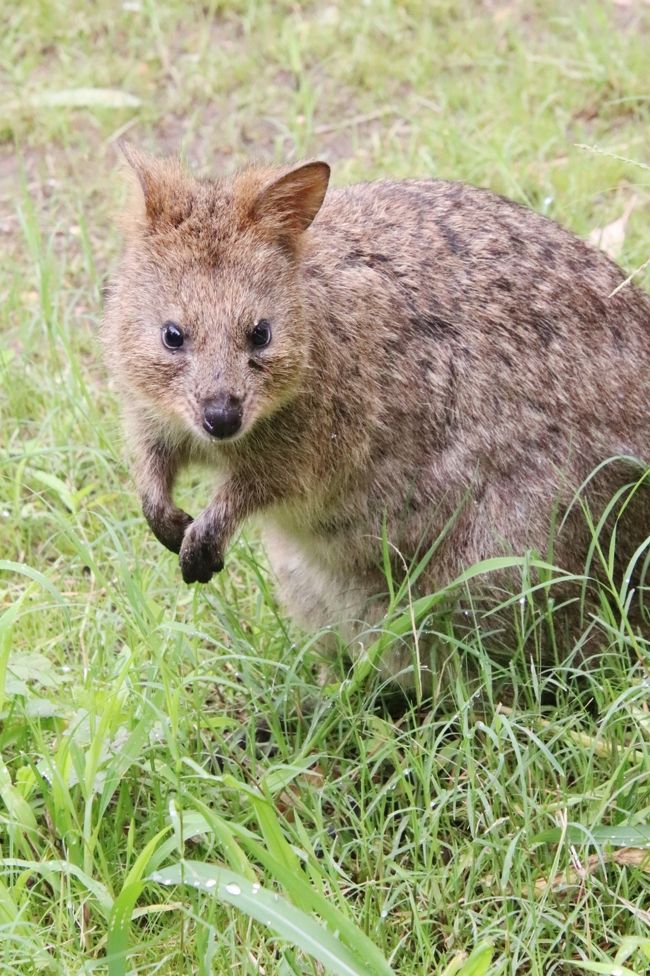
(222, 416)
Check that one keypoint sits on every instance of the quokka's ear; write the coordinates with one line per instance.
(164, 194)
(287, 206)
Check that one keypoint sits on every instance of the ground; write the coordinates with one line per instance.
(128, 702)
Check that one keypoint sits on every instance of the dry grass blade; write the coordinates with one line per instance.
(599, 747)
(632, 856)
(611, 238)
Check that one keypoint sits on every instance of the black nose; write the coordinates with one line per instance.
(222, 416)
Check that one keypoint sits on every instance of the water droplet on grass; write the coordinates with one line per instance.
(255, 888)
(210, 883)
(233, 889)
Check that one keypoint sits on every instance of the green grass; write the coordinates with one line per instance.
(128, 703)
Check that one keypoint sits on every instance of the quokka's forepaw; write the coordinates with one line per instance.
(169, 526)
(200, 556)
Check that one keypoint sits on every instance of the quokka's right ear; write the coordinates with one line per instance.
(164, 192)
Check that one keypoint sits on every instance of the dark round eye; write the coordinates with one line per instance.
(172, 336)
(261, 334)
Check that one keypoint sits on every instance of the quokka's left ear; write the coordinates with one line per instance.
(288, 205)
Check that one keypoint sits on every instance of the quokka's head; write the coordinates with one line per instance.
(204, 325)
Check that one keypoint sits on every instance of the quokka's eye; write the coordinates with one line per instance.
(172, 335)
(261, 334)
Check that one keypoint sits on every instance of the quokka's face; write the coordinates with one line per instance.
(208, 350)
(203, 327)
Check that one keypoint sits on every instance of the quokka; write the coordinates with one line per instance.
(390, 359)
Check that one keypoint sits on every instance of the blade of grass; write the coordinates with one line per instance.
(120, 917)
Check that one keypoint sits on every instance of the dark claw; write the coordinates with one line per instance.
(199, 562)
(200, 572)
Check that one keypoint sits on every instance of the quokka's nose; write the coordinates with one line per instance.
(222, 416)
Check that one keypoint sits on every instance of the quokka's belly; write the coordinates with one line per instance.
(318, 585)
(341, 606)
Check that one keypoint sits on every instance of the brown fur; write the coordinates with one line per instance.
(436, 349)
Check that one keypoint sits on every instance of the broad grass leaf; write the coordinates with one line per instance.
(622, 835)
(84, 98)
(56, 486)
(22, 823)
(273, 911)
(301, 891)
(278, 777)
(606, 968)
(478, 963)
